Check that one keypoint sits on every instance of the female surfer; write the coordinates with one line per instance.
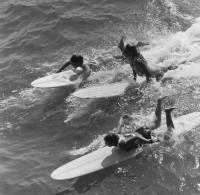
(77, 61)
(134, 140)
(140, 66)
(141, 135)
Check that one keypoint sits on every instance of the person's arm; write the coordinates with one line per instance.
(64, 66)
(86, 74)
(139, 137)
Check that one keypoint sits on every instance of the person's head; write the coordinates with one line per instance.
(111, 139)
(131, 51)
(76, 60)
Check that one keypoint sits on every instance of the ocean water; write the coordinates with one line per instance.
(43, 129)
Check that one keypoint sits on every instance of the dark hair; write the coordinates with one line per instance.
(131, 50)
(112, 138)
(77, 59)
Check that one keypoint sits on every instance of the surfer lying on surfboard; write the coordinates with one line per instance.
(140, 66)
(77, 61)
(138, 138)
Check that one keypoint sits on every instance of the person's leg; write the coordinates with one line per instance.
(170, 124)
(169, 121)
(157, 118)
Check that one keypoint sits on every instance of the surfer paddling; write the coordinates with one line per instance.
(142, 135)
(140, 66)
(133, 141)
(77, 62)
(127, 122)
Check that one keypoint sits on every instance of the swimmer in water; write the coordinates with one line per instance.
(77, 61)
(135, 140)
(140, 66)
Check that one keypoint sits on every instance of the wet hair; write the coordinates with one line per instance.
(112, 138)
(77, 59)
(131, 50)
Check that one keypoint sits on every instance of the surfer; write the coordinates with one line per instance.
(77, 62)
(141, 135)
(107, 57)
(121, 47)
(133, 141)
(126, 142)
(140, 66)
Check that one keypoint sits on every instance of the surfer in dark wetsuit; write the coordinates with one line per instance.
(77, 61)
(140, 66)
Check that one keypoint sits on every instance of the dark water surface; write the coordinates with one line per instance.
(37, 37)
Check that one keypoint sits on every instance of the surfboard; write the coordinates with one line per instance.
(108, 90)
(56, 80)
(109, 156)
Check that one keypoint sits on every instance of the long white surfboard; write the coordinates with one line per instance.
(56, 80)
(108, 156)
(108, 90)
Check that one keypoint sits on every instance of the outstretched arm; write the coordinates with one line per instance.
(64, 66)
(140, 138)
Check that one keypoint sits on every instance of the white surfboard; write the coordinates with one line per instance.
(56, 80)
(109, 90)
(108, 156)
